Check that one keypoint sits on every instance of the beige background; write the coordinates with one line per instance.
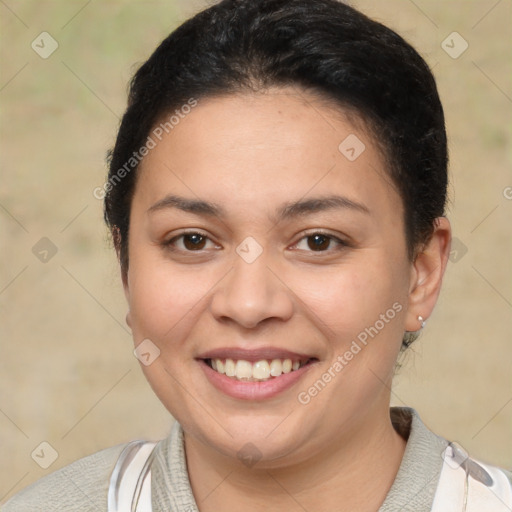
(67, 372)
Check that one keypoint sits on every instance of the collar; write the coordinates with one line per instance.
(416, 482)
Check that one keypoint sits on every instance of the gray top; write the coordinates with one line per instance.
(83, 485)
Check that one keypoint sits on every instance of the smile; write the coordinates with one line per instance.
(258, 371)
(257, 374)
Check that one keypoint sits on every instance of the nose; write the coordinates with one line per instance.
(251, 293)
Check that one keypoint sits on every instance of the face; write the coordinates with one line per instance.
(257, 243)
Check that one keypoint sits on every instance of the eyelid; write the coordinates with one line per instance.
(170, 243)
(305, 234)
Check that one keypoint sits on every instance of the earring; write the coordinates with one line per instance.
(423, 322)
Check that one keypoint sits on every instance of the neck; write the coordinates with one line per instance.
(355, 472)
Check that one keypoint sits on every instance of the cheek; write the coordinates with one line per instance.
(360, 310)
(164, 298)
(351, 297)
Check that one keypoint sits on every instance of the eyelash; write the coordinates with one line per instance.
(341, 243)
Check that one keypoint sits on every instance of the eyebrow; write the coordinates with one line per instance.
(286, 211)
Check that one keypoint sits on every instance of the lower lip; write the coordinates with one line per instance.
(246, 390)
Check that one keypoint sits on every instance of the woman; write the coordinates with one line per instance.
(276, 197)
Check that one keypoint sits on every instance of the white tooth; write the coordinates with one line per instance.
(243, 369)
(295, 365)
(220, 365)
(287, 366)
(229, 368)
(213, 363)
(261, 370)
(276, 368)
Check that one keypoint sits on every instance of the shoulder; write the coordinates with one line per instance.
(438, 475)
(80, 486)
(468, 482)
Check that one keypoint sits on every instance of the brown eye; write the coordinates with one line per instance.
(320, 242)
(188, 242)
(194, 241)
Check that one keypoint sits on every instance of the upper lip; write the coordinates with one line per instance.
(253, 355)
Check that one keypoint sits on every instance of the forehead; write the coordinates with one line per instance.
(262, 148)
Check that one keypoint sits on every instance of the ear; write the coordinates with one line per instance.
(427, 274)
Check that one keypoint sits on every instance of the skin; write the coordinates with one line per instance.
(250, 153)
